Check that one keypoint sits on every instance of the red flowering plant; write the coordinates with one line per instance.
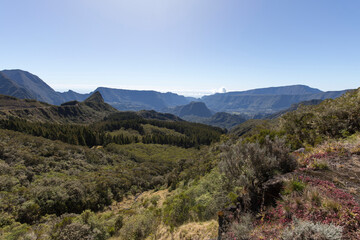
(319, 202)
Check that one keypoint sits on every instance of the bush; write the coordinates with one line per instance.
(75, 231)
(303, 230)
(320, 165)
(154, 200)
(139, 226)
(29, 212)
(199, 202)
(249, 165)
(241, 230)
(17, 231)
(6, 219)
(294, 186)
(177, 208)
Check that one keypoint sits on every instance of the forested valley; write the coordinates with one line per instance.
(127, 176)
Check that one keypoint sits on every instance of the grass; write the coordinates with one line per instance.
(294, 185)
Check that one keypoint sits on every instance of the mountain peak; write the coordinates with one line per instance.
(195, 108)
(95, 97)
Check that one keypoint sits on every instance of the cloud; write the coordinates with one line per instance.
(220, 90)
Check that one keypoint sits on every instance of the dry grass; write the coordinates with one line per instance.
(131, 202)
(190, 231)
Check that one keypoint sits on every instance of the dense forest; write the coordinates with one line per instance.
(97, 133)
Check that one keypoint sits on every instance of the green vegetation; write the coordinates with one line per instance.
(309, 125)
(131, 177)
(181, 134)
(40, 177)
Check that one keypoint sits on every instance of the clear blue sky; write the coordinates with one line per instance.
(185, 46)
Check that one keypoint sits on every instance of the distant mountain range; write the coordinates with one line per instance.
(139, 100)
(252, 103)
(265, 100)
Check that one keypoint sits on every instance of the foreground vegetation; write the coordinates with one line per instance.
(252, 187)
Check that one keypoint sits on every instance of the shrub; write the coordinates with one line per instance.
(331, 205)
(249, 165)
(139, 226)
(17, 231)
(119, 223)
(304, 230)
(294, 185)
(2, 151)
(75, 231)
(154, 200)
(29, 212)
(199, 202)
(176, 210)
(320, 165)
(6, 219)
(241, 230)
(314, 196)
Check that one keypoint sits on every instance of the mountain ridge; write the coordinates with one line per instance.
(296, 89)
(23, 84)
(90, 110)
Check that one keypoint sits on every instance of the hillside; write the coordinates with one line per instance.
(140, 100)
(92, 109)
(254, 103)
(284, 90)
(37, 89)
(196, 109)
(294, 107)
(220, 119)
(153, 175)
(86, 170)
(151, 114)
(268, 100)
(11, 88)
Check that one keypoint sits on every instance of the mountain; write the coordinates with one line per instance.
(23, 84)
(284, 90)
(35, 88)
(294, 107)
(71, 95)
(151, 114)
(225, 120)
(141, 100)
(254, 103)
(220, 119)
(266, 100)
(11, 88)
(92, 109)
(196, 109)
(39, 89)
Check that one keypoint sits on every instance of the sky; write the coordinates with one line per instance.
(191, 47)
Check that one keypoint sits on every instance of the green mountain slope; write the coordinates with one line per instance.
(220, 119)
(92, 109)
